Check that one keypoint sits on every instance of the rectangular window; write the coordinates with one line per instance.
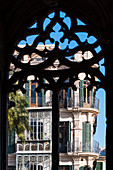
(33, 94)
(33, 134)
(64, 135)
(36, 99)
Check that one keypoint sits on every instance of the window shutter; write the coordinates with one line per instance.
(101, 165)
(43, 98)
(11, 141)
(69, 131)
(92, 98)
(81, 94)
(27, 87)
(86, 137)
(83, 136)
(89, 136)
(97, 166)
(70, 167)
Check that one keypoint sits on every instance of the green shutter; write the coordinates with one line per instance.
(83, 136)
(70, 167)
(92, 98)
(11, 141)
(43, 98)
(69, 131)
(27, 86)
(86, 137)
(99, 166)
(82, 168)
(81, 94)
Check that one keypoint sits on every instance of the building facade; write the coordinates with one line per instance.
(77, 125)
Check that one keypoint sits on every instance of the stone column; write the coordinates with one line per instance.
(3, 100)
(55, 130)
(109, 102)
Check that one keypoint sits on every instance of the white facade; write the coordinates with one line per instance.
(78, 115)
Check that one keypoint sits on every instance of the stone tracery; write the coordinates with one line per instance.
(66, 34)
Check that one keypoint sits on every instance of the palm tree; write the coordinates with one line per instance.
(18, 119)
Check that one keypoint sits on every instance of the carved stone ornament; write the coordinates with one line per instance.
(57, 55)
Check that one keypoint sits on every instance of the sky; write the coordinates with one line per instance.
(100, 135)
(56, 35)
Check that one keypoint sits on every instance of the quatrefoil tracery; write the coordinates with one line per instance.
(52, 55)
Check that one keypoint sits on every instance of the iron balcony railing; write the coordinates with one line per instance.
(34, 146)
(67, 103)
(79, 102)
(38, 102)
(86, 147)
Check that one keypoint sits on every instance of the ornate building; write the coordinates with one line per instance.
(77, 125)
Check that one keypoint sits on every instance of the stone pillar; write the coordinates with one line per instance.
(109, 102)
(55, 130)
(3, 100)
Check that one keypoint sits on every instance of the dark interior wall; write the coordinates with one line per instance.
(3, 98)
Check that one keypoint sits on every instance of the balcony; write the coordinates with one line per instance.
(83, 102)
(79, 147)
(34, 147)
(38, 102)
(77, 102)
(67, 103)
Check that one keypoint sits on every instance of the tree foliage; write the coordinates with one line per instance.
(18, 116)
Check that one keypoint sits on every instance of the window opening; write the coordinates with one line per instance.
(59, 51)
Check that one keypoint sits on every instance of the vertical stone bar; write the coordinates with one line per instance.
(3, 124)
(3, 100)
(109, 104)
(55, 130)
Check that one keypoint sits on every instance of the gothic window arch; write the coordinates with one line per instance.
(59, 55)
(59, 48)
